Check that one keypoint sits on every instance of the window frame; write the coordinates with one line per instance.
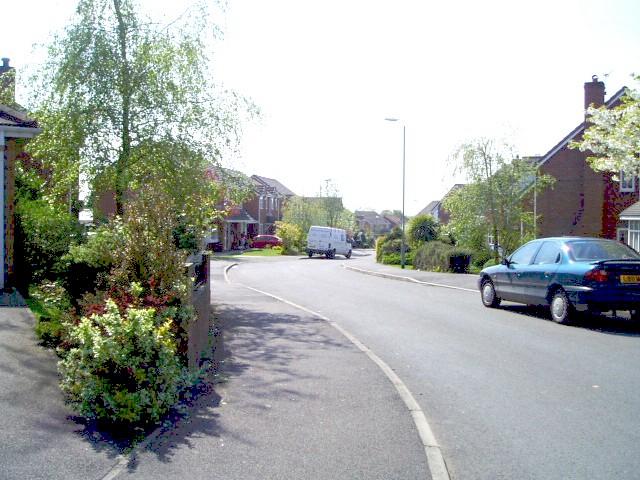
(535, 244)
(624, 183)
(558, 256)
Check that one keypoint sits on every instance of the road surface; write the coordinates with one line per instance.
(508, 393)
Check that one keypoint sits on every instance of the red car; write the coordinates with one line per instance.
(264, 241)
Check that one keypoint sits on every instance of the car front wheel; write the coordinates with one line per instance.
(561, 308)
(488, 294)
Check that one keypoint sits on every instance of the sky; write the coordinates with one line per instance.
(325, 75)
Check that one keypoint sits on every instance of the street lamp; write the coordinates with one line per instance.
(404, 136)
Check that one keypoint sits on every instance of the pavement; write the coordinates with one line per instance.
(41, 438)
(369, 266)
(293, 398)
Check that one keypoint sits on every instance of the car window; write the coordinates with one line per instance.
(524, 254)
(549, 253)
(593, 250)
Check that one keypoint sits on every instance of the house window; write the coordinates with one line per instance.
(627, 182)
(633, 234)
(261, 206)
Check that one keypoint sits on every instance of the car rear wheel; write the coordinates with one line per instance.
(561, 308)
(488, 294)
(310, 254)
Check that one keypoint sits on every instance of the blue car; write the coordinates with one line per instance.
(568, 274)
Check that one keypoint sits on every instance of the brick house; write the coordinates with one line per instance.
(15, 130)
(436, 209)
(432, 208)
(256, 215)
(582, 201)
(267, 206)
(372, 223)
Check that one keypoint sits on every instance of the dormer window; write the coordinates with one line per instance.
(627, 182)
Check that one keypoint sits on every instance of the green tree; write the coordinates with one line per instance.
(495, 201)
(303, 212)
(331, 203)
(322, 211)
(127, 102)
(421, 229)
(613, 135)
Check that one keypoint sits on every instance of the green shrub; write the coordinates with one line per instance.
(433, 256)
(292, 238)
(43, 235)
(100, 249)
(51, 306)
(390, 244)
(124, 369)
(89, 263)
(396, 259)
(391, 259)
(440, 257)
(480, 257)
(490, 263)
(422, 229)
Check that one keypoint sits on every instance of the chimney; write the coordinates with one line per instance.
(594, 93)
(7, 83)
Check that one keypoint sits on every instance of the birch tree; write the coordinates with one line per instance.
(130, 102)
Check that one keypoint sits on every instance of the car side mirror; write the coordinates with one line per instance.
(505, 261)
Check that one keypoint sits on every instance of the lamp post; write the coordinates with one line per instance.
(404, 136)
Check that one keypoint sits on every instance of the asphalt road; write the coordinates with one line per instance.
(508, 393)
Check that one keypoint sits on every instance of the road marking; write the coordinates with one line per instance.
(435, 460)
(406, 279)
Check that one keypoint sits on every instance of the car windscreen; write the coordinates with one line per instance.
(596, 250)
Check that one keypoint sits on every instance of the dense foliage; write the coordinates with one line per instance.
(613, 135)
(421, 229)
(389, 248)
(292, 238)
(44, 232)
(124, 368)
(442, 257)
(494, 208)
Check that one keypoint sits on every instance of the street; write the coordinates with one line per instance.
(508, 393)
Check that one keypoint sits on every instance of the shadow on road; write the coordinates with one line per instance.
(602, 323)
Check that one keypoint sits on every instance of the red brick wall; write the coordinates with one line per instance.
(615, 202)
(562, 207)
(13, 150)
(582, 202)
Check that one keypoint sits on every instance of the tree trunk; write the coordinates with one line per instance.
(125, 93)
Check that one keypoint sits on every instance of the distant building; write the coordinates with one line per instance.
(372, 223)
(436, 209)
(432, 208)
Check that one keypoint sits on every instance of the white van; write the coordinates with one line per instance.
(328, 241)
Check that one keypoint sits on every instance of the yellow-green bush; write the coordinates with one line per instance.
(292, 237)
(124, 368)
